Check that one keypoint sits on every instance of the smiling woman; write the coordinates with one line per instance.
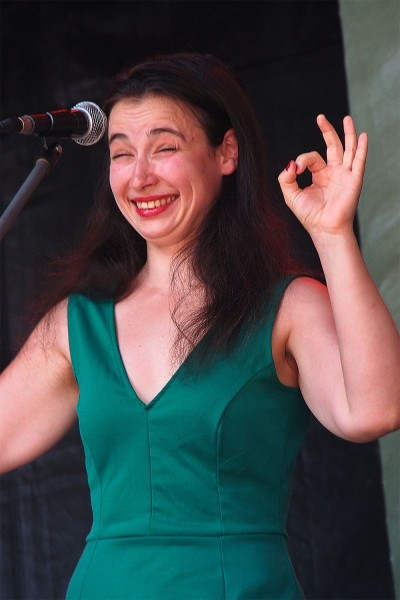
(162, 165)
(191, 347)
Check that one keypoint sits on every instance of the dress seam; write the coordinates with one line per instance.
(150, 471)
(96, 540)
(283, 461)
(222, 565)
(217, 472)
(190, 535)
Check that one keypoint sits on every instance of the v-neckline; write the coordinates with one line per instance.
(124, 374)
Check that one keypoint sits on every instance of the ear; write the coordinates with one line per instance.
(228, 152)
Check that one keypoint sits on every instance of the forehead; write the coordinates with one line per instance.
(145, 113)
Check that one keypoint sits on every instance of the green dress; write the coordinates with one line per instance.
(189, 493)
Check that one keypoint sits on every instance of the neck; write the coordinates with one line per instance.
(157, 271)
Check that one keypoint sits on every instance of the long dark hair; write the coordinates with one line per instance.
(241, 249)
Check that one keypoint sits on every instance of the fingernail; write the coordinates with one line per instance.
(288, 165)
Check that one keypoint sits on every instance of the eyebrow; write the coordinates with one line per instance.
(159, 130)
(152, 133)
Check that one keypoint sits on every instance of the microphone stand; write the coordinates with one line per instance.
(43, 166)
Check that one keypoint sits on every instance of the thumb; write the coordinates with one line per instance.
(288, 182)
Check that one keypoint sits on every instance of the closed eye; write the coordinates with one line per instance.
(168, 149)
(120, 155)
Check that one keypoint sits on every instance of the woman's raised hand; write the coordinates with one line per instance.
(329, 204)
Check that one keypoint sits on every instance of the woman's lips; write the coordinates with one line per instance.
(153, 205)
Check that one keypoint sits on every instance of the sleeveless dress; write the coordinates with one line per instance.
(189, 493)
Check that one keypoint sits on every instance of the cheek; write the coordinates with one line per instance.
(117, 189)
(115, 181)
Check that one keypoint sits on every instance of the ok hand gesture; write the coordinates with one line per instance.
(329, 204)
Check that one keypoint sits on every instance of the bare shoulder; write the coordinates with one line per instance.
(304, 303)
(45, 356)
(38, 392)
(303, 299)
(51, 333)
(304, 290)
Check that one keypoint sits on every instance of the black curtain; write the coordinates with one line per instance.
(289, 56)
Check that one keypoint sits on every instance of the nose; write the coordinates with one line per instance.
(143, 174)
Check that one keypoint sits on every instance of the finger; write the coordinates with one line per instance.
(287, 181)
(360, 157)
(312, 161)
(350, 142)
(334, 147)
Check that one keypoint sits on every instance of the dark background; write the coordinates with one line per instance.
(54, 54)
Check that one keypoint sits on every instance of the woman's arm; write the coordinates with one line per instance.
(343, 342)
(38, 393)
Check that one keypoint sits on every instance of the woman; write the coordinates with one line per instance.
(196, 348)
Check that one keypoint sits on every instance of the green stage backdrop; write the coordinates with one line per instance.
(371, 36)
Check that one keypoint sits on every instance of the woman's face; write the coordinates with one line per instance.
(163, 173)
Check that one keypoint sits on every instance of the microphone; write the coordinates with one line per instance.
(85, 123)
